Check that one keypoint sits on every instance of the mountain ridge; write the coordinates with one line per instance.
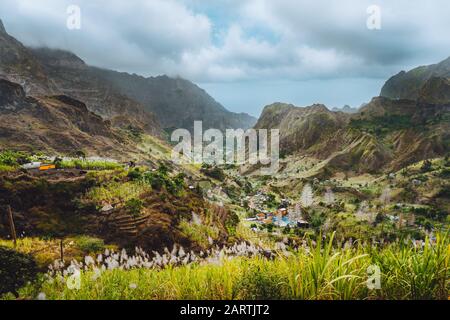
(176, 102)
(407, 85)
(384, 135)
(162, 103)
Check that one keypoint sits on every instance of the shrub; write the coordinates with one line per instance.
(88, 244)
(257, 283)
(134, 206)
(134, 174)
(445, 173)
(160, 179)
(12, 158)
(426, 166)
(213, 172)
(16, 270)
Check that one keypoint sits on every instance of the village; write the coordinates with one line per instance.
(285, 215)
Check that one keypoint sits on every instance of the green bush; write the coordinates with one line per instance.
(12, 158)
(426, 166)
(16, 270)
(134, 206)
(134, 174)
(258, 284)
(89, 244)
(213, 172)
(160, 179)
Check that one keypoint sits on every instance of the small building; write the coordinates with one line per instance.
(31, 165)
(261, 216)
(282, 212)
(46, 167)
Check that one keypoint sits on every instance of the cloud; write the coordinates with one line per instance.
(145, 36)
(231, 40)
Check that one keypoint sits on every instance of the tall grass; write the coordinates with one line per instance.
(319, 272)
(89, 164)
(117, 192)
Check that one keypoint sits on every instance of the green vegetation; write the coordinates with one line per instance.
(16, 269)
(46, 251)
(323, 272)
(83, 164)
(160, 179)
(134, 206)
(89, 244)
(213, 172)
(380, 126)
(11, 160)
(199, 232)
(113, 192)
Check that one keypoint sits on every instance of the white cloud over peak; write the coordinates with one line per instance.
(231, 41)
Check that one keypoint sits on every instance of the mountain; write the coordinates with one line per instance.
(56, 124)
(409, 122)
(176, 102)
(435, 91)
(40, 75)
(301, 128)
(346, 109)
(407, 85)
(72, 77)
(385, 135)
(126, 100)
(19, 65)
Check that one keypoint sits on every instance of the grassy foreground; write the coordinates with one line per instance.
(318, 273)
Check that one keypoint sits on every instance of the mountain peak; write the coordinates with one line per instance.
(407, 85)
(58, 58)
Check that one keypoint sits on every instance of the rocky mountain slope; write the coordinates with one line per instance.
(71, 76)
(384, 135)
(58, 75)
(145, 104)
(301, 128)
(56, 124)
(19, 65)
(407, 85)
(346, 109)
(175, 101)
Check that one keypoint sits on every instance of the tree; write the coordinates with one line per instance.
(307, 197)
(80, 154)
(426, 166)
(329, 196)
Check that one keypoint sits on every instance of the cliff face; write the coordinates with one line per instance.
(45, 72)
(408, 85)
(19, 65)
(384, 135)
(301, 128)
(176, 102)
(57, 124)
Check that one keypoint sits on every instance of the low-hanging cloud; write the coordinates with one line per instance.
(260, 39)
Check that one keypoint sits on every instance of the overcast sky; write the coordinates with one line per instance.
(246, 53)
